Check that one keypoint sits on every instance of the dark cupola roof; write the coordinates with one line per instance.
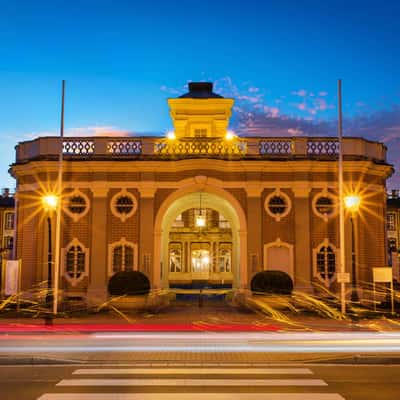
(201, 90)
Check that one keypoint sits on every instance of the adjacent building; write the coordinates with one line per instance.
(199, 205)
(6, 226)
(393, 231)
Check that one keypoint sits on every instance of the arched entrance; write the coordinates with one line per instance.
(212, 198)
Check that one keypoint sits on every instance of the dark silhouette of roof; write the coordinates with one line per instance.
(201, 90)
(7, 201)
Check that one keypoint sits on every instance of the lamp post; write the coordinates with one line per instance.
(352, 203)
(49, 204)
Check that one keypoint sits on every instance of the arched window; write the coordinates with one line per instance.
(123, 256)
(325, 262)
(75, 262)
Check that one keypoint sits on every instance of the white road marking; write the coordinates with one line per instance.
(192, 371)
(192, 396)
(192, 382)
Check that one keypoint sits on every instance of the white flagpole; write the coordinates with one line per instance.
(58, 222)
(341, 205)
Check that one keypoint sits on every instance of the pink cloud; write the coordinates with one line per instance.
(300, 93)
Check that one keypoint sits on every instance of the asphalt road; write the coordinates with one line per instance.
(200, 382)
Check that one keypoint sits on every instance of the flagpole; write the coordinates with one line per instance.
(59, 204)
(341, 205)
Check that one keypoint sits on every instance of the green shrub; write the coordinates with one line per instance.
(128, 283)
(273, 282)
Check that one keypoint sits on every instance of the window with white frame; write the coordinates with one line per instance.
(277, 204)
(76, 205)
(325, 262)
(123, 205)
(76, 260)
(8, 221)
(324, 205)
(391, 221)
(123, 256)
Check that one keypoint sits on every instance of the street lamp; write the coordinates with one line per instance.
(352, 203)
(50, 203)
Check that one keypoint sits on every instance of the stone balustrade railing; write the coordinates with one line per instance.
(238, 148)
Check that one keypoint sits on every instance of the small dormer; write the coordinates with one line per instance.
(200, 112)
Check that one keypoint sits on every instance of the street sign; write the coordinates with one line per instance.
(12, 276)
(382, 274)
(343, 277)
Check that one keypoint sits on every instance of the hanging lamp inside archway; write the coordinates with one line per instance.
(201, 217)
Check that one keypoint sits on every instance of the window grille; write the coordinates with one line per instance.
(391, 222)
(75, 263)
(9, 221)
(77, 204)
(122, 258)
(124, 204)
(326, 264)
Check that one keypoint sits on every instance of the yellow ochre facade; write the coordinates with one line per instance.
(200, 205)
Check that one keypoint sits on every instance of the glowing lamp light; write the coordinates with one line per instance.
(201, 221)
(205, 260)
(229, 135)
(50, 202)
(352, 202)
(171, 135)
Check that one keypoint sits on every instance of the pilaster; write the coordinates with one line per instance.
(97, 290)
(303, 260)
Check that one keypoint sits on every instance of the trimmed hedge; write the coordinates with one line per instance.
(128, 283)
(273, 282)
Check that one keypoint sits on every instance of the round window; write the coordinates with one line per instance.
(77, 204)
(124, 204)
(277, 204)
(325, 205)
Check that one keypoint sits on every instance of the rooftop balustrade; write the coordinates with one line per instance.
(93, 148)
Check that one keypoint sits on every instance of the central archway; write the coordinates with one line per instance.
(213, 198)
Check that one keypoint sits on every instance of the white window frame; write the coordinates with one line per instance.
(316, 251)
(325, 193)
(75, 281)
(122, 242)
(391, 226)
(7, 219)
(76, 216)
(279, 243)
(278, 193)
(113, 205)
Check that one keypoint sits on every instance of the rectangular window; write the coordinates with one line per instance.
(8, 242)
(9, 221)
(200, 132)
(391, 222)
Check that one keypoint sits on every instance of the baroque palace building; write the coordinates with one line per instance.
(200, 205)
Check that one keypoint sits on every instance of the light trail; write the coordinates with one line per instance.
(252, 342)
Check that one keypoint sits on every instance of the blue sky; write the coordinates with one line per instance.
(123, 59)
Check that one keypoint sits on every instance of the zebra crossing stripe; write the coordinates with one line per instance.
(192, 371)
(192, 396)
(191, 382)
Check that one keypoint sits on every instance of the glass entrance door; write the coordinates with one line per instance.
(201, 261)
